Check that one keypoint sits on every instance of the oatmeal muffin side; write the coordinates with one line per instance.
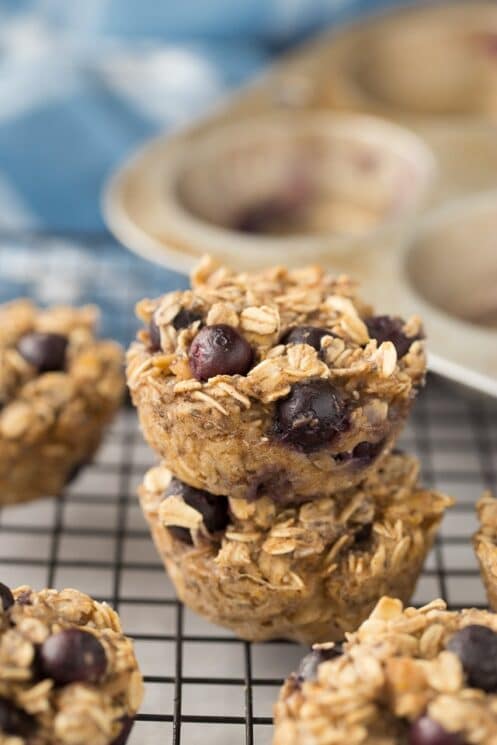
(280, 382)
(59, 388)
(68, 675)
(485, 545)
(307, 571)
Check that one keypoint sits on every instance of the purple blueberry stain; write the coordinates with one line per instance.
(426, 731)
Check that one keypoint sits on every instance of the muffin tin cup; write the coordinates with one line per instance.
(459, 247)
(430, 63)
(355, 179)
(446, 271)
(125, 733)
(450, 272)
(311, 175)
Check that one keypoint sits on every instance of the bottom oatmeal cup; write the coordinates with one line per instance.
(68, 675)
(307, 572)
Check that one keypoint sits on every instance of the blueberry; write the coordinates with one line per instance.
(363, 454)
(127, 724)
(46, 352)
(363, 535)
(14, 721)
(476, 647)
(73, 655)
(154, 335)
(386, 328)
(310, 335)
(425, 731)
(181, 320)
(366, 452)
(6, 597)
(185, 318)
(308, 668)
(310, 416)
(219, 350)
(344, 457)
(213, 508)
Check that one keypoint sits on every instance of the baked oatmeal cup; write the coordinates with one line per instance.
(410, 676)
(68, 675)
(485, 545)
(280, 382)
(308, 572)
(59, 388)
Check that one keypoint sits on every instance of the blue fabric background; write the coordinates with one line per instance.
(82, 83)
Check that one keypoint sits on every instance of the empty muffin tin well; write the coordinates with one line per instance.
(452, 263)
(307, 175)
(277, 188)
(427, 61)
(448, 272)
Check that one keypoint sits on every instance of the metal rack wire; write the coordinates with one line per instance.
(204, 686)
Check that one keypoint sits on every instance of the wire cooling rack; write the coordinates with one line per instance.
(203, 685)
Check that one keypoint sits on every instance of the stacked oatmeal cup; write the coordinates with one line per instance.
(280, 507)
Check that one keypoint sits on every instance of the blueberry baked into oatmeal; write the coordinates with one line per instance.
(406, 677)
(485, 545)
(307, 571)
(68, 675)
(59, 388)
(280, 382)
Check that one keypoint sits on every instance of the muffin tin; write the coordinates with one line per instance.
(298, 168)
(436, 61)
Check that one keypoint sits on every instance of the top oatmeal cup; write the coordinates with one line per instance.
(279, 383)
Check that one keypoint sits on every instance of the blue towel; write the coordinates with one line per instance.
(82, 83)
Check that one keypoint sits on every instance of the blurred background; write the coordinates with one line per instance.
(81, 85)
(83, 82)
